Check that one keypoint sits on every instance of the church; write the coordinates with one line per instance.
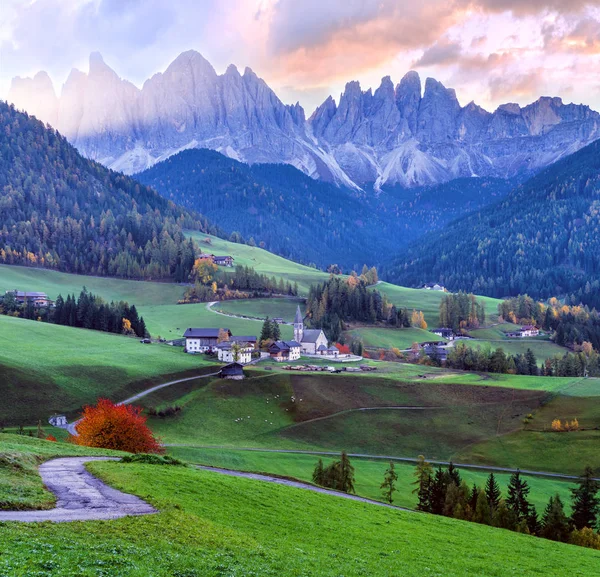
(310, 339)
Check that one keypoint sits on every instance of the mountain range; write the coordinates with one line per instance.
(397, 135)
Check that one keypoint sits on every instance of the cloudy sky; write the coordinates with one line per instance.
(490, 51)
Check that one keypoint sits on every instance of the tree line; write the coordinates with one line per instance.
(541, 239)
(443, 492)
(461, 311)
(62, 211)
(337, 301)
(87, 311)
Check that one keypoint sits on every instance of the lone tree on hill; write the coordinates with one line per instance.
(389, 483)
(267, 330)
(119, 427)
(586, 504)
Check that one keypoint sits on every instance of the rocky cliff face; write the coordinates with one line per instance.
(395, 135)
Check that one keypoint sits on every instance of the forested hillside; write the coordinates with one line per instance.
(62, 211)
(308, 220)
(543, 239)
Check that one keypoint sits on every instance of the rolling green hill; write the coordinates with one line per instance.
(213, 525)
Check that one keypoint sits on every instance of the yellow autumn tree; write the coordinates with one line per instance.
(222, 336)
(417, 319)
(127, 330)
(203, 270)
(557, 425)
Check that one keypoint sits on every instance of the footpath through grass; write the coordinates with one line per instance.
(210, 524)
(20, 483)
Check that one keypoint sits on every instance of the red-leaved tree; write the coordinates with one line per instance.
(343, 349)
(111, 426)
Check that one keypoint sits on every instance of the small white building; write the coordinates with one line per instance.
(529, 331)
(226, 352)
(58, 421)
(445, 333)
(434, 286)
(203, 340)
(285, 351)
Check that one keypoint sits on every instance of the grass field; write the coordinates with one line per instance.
(47, 368)
(262, 308)
(263, 261)
(388, 338)
(369, 473)
(215, 525)
(429, 302)
(543, 349)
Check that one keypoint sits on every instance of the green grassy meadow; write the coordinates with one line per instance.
(543, 349)
(47, 368)
(216, 525)
(262, 308)
(388, 338)
(369, 473)
(262, 261)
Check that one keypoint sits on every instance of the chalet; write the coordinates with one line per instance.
(58, 421)
(223, 260)
(227, 354)
(206, 255)
(285, 351)
(310, 339)
(233, 371)
(37, 299)
(445, 333)
(433, 351)
(524, 332)
(203, 340)
(433, 286)
(278, 320)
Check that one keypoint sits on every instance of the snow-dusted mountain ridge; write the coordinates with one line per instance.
(395, 135)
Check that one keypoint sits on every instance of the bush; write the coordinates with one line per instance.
(148, 459)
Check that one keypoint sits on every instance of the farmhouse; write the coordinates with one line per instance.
(58, 421)
(223, 260)
(233, 371)
(433, 286)
(227, 354)
(310, 339)
(445, 333)
(203, 340)
(285, 351)
(524, 332)
(37, 299)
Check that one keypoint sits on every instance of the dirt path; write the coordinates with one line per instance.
(298, 485)
(80, 495)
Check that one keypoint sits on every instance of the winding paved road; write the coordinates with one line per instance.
(80, 495)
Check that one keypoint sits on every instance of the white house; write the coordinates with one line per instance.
(58, 421)
(445, 333)
(226, 353)
(285, 351)
(434, 286)
(310, 339)
(202, 340)
(529, 331)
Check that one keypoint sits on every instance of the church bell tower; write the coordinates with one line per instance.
(298, 326)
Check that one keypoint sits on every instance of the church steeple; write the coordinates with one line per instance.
(298, 326)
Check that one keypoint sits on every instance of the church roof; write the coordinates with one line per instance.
(311, 335)
(298, 318)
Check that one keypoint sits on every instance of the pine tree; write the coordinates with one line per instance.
(346, 482)
(438, 491)
(389, 483)
(275, 331)
(555, 525)
(533, 522)
(482, 512)
(424, 494)
(517, 502)
(318, 475)
(266, 332)
(492, 492)
(586, 504)
(453, 474)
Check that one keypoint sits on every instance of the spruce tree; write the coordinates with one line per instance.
(319, 473)
(492, 492)
(275, 331)
(388, 486)
(346, 483)
(424, 494)
(453, 474)
(533, 522)
(586, 504)
(438, 491)
(266, 332)
(517, 502)
(555, 525)
(473, 497)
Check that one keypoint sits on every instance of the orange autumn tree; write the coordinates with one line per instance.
(120, 427)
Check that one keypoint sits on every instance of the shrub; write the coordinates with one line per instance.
(119, 427)
(147, 459)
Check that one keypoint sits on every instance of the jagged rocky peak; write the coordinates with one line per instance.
(438, 111)
(36, 96)
(408, 99)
